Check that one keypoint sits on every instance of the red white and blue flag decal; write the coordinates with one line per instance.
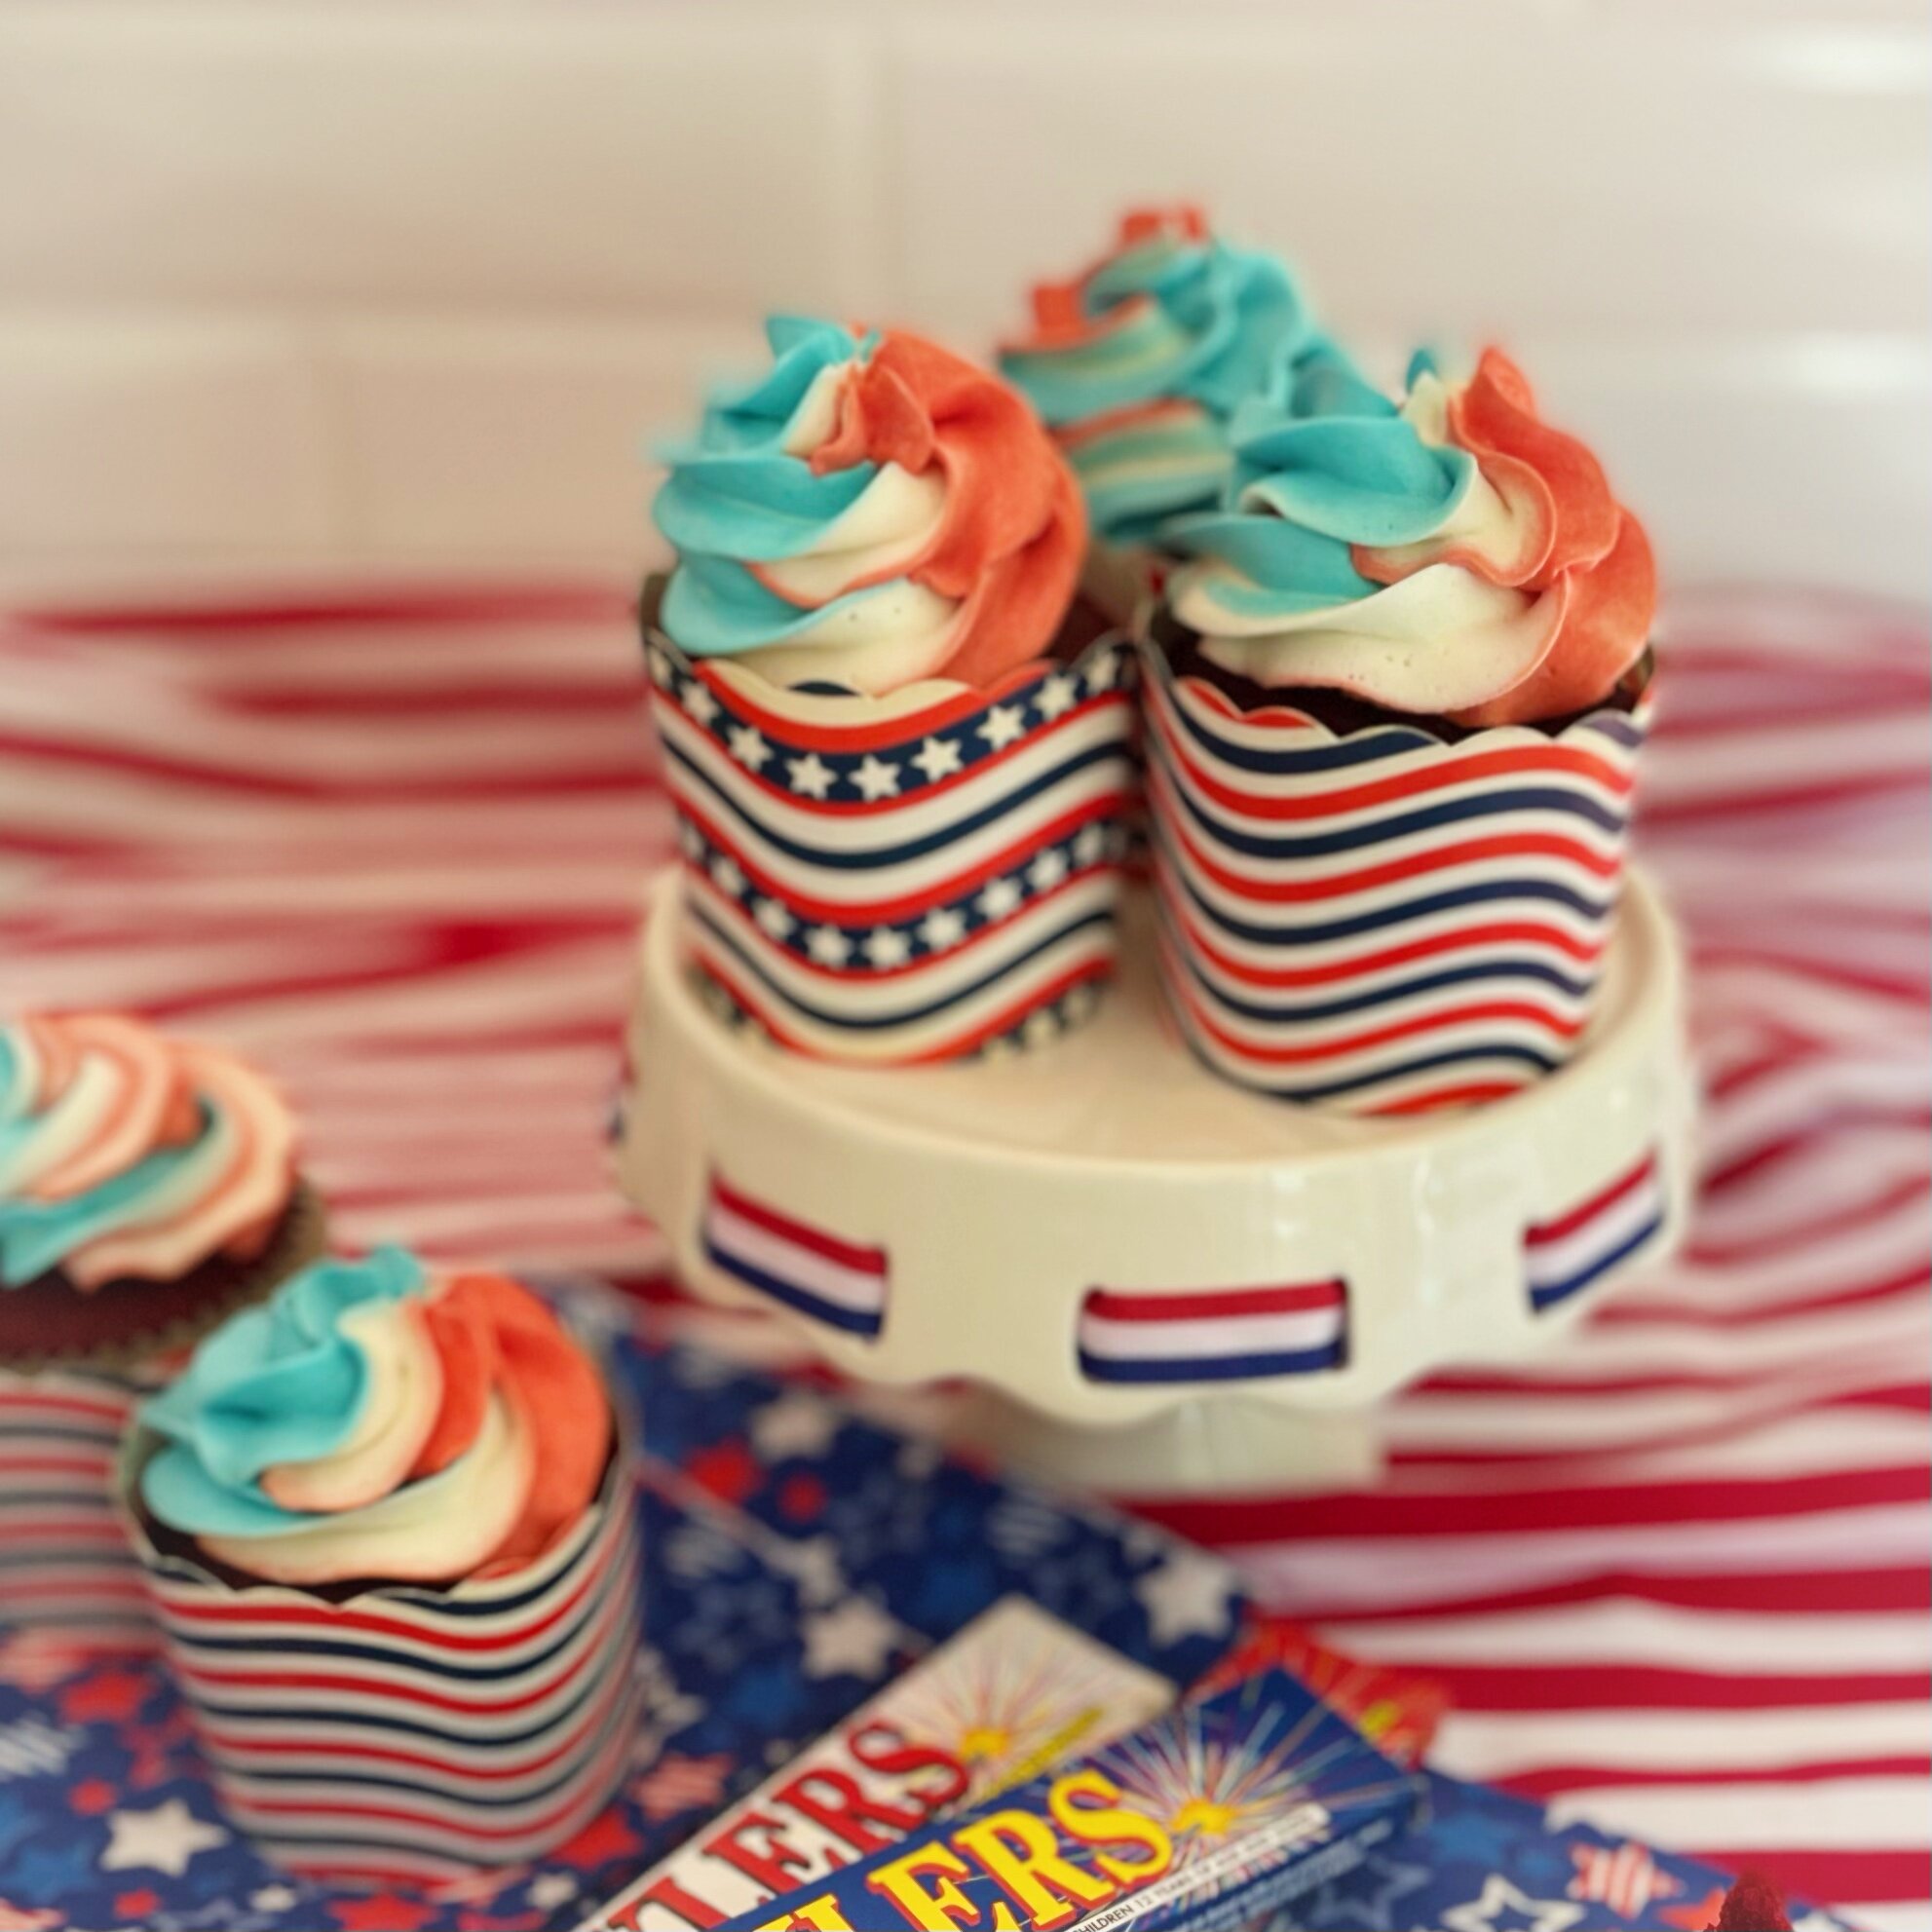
(832, 1280)
(1563, 1257)
(1217, 1335)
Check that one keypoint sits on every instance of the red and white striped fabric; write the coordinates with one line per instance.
(1675, 1572)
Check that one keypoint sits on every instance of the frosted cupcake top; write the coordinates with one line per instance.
(1448, 555)
(373, 1420)
(1139, 362)
(871, 512)
(125, 1154)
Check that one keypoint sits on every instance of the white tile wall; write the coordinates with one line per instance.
(526, 432)
(338, 284)
(154, 430)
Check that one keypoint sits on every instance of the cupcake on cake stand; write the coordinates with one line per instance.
(1388, 1070)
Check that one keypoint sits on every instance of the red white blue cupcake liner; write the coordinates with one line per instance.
(1381, 921)
(894, 880)
(410, 1733)
(65, 1565)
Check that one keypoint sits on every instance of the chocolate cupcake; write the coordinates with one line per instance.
(1138, 363)
(898, 749)
(1396, 699)
(388, 1533)
(148, 1187)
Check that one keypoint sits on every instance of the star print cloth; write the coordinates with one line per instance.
(796, 1560)
(1488, 1862)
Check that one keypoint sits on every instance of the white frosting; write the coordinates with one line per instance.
(893, 635)
(1443, 638)
(429, 1531)
(237, 1179)
(400, 1409)
(816, 416)
(106, 1118)
(895, 518)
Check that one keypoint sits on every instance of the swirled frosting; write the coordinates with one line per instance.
(371, 1420)
(870, 512)
(124, 1154)
(1138, 363)
(1451, 555)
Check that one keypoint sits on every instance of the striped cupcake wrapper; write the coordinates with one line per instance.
(65, 1565)
(1381, 923)
(892, 881)
(413, 1734)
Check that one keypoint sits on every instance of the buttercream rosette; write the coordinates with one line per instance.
(1395, 704)
(899, 749)
(147, 1185)
(396, 1497)
(1449, 555)
(1138, 365)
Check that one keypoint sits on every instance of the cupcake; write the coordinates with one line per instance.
(1138, 365)
(148, 1187)
(386, 1532)
(897, 746)
(1398, 695)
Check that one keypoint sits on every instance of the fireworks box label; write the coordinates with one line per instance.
(1397, 1713)
(1015, 1694)
(1205, 1820)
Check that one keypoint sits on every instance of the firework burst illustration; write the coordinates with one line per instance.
(1029, 1694)
(1216, 1778)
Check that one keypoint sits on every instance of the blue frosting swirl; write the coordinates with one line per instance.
(277, 1384)
(1329, 463)
(1209, 324)
(157, 1183)
(734, 496)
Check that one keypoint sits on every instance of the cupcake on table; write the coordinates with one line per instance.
(1397, 697)
(388, 1533)
(148, 1187)
(1138, 363)
(897, 744)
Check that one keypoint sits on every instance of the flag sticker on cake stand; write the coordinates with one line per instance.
(1234, 1334)
(1563, 1256)
(834, 1281)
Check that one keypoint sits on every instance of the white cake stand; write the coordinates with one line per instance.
(967, 1213)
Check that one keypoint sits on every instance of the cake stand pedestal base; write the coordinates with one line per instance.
(1208, 1445)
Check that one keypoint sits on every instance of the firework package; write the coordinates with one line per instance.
(1206, 1819)
(1014, 1693)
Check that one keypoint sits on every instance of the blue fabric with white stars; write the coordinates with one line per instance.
(796, 1559)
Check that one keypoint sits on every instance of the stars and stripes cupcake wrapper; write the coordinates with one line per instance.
(1381, 922)
(900, 880)
(410, 1734)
